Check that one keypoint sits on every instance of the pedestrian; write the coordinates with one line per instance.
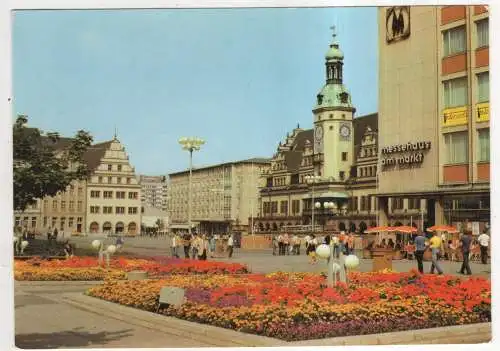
(420, 248)
(435, 245)
(119, 243)
(484, 241)
(296, 244)
(350, 244)
(281, 245)
(54, 235)
(311, 249)
(195, 247)
(286, 244)
(173, 246)
(202, 248)
(187, 244)
(211, 242)
(230, 243)
(307, 239)
(465, 243)
(68, 249)
(49, 234)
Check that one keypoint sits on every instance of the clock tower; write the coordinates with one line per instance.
(333, 125)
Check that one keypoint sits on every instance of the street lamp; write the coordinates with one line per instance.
(190, 144)
(313, 179)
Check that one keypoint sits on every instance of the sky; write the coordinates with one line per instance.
(238, 78)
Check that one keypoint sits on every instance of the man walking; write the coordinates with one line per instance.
(484, 241)
(435, 245)
(230, 244)
(419, 251)
(173, 245)
(465, 242)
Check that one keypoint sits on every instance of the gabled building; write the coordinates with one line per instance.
(107, 202)
(113, 192)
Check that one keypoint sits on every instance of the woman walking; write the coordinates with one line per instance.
(311, 249)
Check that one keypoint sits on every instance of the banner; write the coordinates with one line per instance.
(455, 116)
(483, 112)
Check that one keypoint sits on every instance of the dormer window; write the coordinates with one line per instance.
(320, 99)
(344, 97)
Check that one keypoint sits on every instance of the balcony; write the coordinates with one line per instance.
(483, 112)
(454, 116)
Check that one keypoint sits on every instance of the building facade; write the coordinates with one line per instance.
(107, 202)
(154, 191)
(224, 196)
(113, 192)
(434, 112)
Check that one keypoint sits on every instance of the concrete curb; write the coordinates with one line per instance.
(218, 337)
(464, 334)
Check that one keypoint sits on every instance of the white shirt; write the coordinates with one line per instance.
(230, 241)
(483, 239)
(307, 239)
(174, 242)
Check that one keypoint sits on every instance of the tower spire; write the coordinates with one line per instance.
(334, 35)
(115, 137)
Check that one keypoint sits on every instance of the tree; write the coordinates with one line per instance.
(43, 164)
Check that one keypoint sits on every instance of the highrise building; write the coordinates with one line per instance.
(154, 191)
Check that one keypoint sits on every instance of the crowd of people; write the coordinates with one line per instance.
(285, 244)
(201, 246)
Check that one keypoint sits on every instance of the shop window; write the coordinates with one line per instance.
(455, 92)
(484, 145)
(483, 38)
(454, 41)
(456, 148)
(483, 87)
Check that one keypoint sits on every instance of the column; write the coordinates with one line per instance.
(383, 211)
(439, 217)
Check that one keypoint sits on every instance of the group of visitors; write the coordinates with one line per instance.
(285, 244)
(465, 244)
(200, 246)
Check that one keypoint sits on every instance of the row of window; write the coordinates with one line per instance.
(109, 180)
(109, 210)
(457, 147)
(71, 205)
(96, 194)
(455, 92)
(455, 39)
(361, 203)
(62, 222)
(367, 171)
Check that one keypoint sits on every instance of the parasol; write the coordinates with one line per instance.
(443, 228)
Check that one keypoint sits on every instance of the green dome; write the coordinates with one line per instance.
(334, 53)
(333, 96)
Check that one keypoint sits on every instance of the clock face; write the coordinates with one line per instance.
(345, 131)
(318, 133)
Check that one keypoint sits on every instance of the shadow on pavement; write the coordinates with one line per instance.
(68, 339)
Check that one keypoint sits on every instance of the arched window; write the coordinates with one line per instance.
(342, 226)
(362, 227)
(94, 227)
(106, 227)
(119, 227)
(132, 228)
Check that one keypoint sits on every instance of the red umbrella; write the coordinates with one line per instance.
(442, 228)
(378, 229)
(404, 229)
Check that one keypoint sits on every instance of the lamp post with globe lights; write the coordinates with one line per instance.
(190, 144)
(313, 179)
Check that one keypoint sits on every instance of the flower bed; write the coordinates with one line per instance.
(300, 307)
(87, 268)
